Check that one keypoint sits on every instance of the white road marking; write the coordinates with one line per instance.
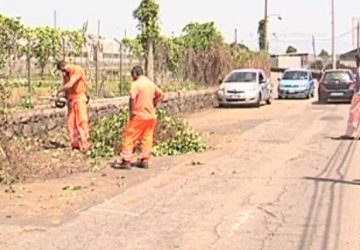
(241, 220)
(111, 211)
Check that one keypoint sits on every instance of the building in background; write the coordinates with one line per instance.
(294, 60)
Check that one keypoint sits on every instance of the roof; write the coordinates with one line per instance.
(298, 69)
(337, 70)
(354, 51)
(350, 55)
(251, 70)
(291, 54)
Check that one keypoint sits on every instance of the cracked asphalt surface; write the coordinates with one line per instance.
(277, 178)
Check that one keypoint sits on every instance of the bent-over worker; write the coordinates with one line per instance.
(76, 91)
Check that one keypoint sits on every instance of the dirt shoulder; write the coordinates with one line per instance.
(52, 202)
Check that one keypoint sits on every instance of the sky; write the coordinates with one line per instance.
(300, 19)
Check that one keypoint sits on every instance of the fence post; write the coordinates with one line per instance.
(28, 66)
(97, 59)
(121, 70)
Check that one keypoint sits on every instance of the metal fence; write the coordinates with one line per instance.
(108, 76)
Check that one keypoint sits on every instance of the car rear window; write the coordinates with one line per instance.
(341, 76)
(295, 75)
(241, 77)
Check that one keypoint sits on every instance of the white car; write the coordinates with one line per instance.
(245, 86)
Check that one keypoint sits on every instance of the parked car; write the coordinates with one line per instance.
(337, 85)
(245, 87)
(296, 83)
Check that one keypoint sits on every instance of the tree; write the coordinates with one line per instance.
(47, 43)
(147, 15)
(200, 36)
(263, 45)
(324, 54)
(291, 50)
(11, 30)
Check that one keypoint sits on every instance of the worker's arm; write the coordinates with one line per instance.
(159, 96)
(74, 79)
(133, 95)
(131, 107)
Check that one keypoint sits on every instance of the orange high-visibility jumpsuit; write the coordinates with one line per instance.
(142, 125)
(78, 119)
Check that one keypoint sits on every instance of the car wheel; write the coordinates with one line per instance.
(258, 104)
(280, 97)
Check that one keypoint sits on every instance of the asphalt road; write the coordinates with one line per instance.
(277, 177)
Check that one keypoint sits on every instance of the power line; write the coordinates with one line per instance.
(341, 35)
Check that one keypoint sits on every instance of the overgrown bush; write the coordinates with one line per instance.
(174, 136)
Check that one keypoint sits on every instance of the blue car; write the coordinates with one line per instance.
(296, 83)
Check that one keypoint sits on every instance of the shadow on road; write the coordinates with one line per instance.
(337, 181)
(342, 138)
(331, 103)
(328, 199)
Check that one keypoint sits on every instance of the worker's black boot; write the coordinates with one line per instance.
(144, 164)
(126, 165)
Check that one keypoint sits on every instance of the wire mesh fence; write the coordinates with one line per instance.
(108, 74)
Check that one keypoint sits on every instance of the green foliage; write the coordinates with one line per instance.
(107, 134)
(291, 50)
(324, 54)
(47, 42)
(200, 36)
(134, 45)
(147, 15)
(75, 41)
(41, 43)
(174, 136)
(5, 93)
(11, 30)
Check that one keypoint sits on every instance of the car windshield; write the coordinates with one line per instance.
(295, 75)
(241, 77)
(341, 76)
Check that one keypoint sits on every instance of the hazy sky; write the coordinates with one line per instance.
(301, 19)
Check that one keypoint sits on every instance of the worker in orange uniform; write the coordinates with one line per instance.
(144, 97)
(76, 91)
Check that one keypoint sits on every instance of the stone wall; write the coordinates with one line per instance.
(38, 122)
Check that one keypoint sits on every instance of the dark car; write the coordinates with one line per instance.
(337, 85)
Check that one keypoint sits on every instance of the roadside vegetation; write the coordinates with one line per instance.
(195, 59)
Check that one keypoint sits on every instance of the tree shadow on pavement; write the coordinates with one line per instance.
(327, 199)
(337, 181)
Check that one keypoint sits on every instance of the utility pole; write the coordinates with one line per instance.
(266, 45)
(55, 27)
(55, 19)
(121, 73)
(97, 59)
(333, 34)
(236, 37)
(314, 46)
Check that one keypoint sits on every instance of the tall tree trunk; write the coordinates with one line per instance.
(150, 59)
